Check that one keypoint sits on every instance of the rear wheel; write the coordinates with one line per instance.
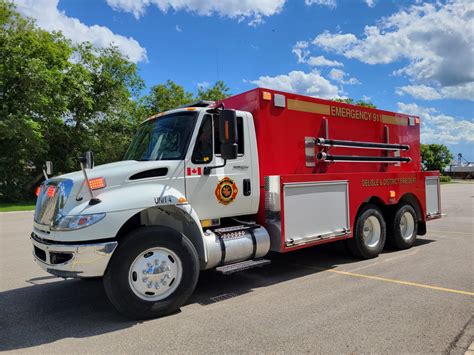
(152, 273)
(369, 233)
(403, 227)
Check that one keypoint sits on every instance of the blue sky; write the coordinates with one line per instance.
(406, 56)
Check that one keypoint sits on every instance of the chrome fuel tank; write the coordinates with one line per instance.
(233, 244)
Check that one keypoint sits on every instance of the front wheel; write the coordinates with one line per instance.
(152, 273)
(369, 233)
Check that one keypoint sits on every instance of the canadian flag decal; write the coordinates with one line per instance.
(194, 171)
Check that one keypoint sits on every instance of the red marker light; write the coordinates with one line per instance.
(37, 191)
(51, 191)
(97, 183)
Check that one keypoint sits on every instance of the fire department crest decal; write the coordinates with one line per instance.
(226, 191)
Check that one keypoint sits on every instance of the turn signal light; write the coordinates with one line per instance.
(97, 183)
(51, 191)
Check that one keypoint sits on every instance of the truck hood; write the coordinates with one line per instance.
(120, 172)
(124, 180)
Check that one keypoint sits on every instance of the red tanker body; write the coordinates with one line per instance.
(373, 154)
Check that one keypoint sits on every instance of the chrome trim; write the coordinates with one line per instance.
(330, 235)
(88, 260)
(48, 208)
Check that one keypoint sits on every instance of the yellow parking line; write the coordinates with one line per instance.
(401, 282)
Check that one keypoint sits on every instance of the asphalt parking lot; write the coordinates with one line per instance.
(315, 300)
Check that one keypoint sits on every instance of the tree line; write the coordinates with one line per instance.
(59, 99)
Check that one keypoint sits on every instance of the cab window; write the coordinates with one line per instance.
(240, 132)
(202, 153)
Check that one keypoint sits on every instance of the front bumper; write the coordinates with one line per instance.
(76, 261)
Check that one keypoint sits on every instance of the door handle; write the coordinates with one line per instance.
(247, 187)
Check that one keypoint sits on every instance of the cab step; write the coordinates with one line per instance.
(243, 265)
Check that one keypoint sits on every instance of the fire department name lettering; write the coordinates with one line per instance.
(388, 181)
(355, 114)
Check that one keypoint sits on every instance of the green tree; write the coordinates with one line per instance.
(54, 107)
(32, 61)
(435, 156)
(215, 93)
(170, 95)
(165, 97)
(357, 103)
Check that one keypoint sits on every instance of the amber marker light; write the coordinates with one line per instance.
(226, 130)
(97, 183)
(182, 200)
(51, 191)
(37, 191)
(393, 194)
(267, 95)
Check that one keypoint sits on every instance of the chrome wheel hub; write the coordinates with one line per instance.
(371, 231)
(155, 274)
(407, 226)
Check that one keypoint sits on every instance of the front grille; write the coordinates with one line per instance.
(49, 207)
(40, 254)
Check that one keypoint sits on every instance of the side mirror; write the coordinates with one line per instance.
(228, 134)
(49, 167)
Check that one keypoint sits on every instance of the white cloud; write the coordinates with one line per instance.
(253, 10)
(436, 39)
(178, 29)
(48, 17)
(338, 43)
(300, 49)
(370, 3)
(437, 127)
(423, 92)
(339, 76)
(320, 61)
(311, 84)
(329, 3)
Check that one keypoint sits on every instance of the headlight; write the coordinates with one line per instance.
(68, 223)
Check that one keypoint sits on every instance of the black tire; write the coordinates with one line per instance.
(116, 278)
(357, 245)
(397, 235)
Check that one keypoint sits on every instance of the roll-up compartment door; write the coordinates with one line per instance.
(433, 205)
(316, 210)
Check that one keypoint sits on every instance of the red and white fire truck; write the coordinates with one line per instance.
(218, 185)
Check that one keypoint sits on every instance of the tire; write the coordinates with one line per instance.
(369, 233)
(152, 273)
(403, 227)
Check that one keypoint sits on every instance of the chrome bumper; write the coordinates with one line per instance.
(76, 261)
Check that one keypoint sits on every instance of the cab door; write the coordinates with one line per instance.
(229, 190)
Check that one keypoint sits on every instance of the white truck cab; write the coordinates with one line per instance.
(140, 225)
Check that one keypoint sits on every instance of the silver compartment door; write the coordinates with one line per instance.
(432, 195)
(316, 210)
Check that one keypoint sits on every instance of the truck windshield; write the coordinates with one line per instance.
(164, 138)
